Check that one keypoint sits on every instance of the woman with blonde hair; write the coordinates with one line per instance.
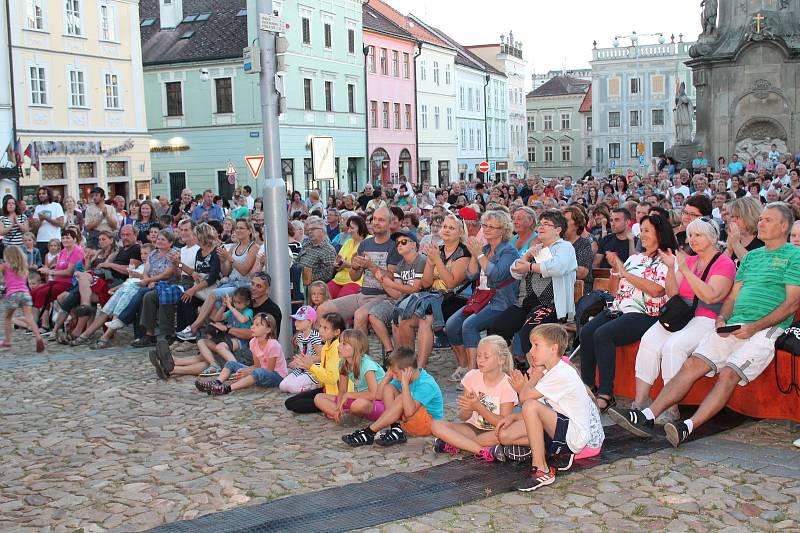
(743, 215)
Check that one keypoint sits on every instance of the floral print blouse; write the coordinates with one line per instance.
(629, 299)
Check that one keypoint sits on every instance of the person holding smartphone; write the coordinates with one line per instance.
(763, 301)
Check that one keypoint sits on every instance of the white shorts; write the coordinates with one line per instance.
(748, 358)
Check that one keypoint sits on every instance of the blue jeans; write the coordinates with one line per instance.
(466, 331)
(128, 316)
(264, 378)
(228, 288)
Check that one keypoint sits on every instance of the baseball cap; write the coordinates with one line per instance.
(306, 313)
(396, 235)
(467, 213)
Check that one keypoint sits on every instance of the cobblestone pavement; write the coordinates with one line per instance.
(92, 441)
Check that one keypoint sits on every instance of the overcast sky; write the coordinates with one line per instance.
(555, 33)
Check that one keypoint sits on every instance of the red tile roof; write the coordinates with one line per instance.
(404, 22)
(586, 105)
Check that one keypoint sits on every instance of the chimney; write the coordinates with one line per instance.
(171, 13)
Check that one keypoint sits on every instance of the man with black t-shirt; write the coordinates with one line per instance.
(620, 241)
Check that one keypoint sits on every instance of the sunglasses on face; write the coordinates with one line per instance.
(402, 242)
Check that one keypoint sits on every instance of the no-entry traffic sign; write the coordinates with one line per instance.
(483, 166)
(254, 162)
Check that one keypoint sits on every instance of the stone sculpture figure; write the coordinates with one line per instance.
(683, 115)
(708, 20)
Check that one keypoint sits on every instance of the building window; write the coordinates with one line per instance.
(471, 139)
(636, 118)
(531, 154)
(305, 23)
(34, 17)
(461, 98)
(436, 72)
(613, 150)
(531, 123)
(613, 119)
(408, 116)
(462, 139)
(658, 117)
(469, 98)
(657, 84)
(308, 172)
(384, 62)
(406, 65)
(385, 114)
(444, 172)
(548, 154)
(424, 119)
(447, 74)
(112, 91)
(436, 117)
(489, 132)
(373, 113)
(565, 121)
(287, 170)
(449, 119)
(116, 169)
(77, 88)
(613, 87)
(328, 35)
(224, 95)
(351, 98)
(52, 171)
(422, 73)
(395, 63)
(397, 116)
(38, 86)
(589, 123)
(588, 151)
(307, 94)
(174, 99)
(351, 41)
(634, 150)
(566, 153)
(108, 31)
(548, 122)
(86, 170)
(424, 170)
(658, 148)
(636, 86)
(328, 96)
(477, 99)
(72, 17)
(478, 140)
(371, 57)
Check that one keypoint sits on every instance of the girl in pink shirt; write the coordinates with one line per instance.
(269, 363)
(488, 397)
(15, 271)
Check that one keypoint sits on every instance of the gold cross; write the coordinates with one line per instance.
(759, 19)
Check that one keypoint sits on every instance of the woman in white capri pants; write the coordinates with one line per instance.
(661, 350)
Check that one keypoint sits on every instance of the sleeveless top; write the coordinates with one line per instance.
(235, 275)
(460, 251)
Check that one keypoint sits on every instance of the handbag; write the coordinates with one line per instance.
(676, 313)
(481, 297)
(789, 341)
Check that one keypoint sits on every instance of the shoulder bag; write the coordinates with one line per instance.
(676, 313)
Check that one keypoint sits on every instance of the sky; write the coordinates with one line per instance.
(560, 32)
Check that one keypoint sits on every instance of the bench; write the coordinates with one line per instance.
(760, 399)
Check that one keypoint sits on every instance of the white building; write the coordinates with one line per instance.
(507, 58)
(8, 167)
(633, 93)
(577, 73)
(555, 128)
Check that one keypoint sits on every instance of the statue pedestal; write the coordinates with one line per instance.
(684, 153)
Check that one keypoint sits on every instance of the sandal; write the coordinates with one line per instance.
(80, 341)
(99, 344)
(610, 402)
(62, 337)
(212, 370)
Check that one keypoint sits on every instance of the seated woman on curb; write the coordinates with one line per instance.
(445, 272)
(490, 266)
(546, 290)
(664, 351)
(636, 307)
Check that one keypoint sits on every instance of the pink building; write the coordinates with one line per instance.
(391, 108)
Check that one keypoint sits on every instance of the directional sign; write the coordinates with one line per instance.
(271, 23)
(254, 162)
(641, 160)
(493, 166)
(483, 166)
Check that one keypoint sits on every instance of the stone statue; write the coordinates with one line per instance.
(683, 115)
(708, 20)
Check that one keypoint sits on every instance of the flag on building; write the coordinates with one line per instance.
(33, 155)
(18, 152)
(10, 151)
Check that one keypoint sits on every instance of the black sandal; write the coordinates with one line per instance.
(609, 400)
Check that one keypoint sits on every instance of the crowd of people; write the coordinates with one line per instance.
(490, 270)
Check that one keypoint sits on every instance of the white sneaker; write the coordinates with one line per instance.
(458, 374)
(186, 334)
(115, 324)
(797, 443)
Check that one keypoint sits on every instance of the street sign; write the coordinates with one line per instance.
(251, 59)
(254, 162)
(231, 172)
(641, 160)
(272, 23)
(640, 147)
(613, 164)
(483, 166)
(493, 166)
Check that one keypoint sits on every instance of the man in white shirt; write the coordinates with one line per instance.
(678, 187)
(48, 219)
(249, 197)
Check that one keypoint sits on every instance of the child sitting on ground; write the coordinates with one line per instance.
(363, 372)
(308, 343)
(237, 315)
(412, 401)
(18, 295)
(488, 397)
(269, 363)
(559, 417)
(326, 371)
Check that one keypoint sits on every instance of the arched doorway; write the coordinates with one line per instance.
(405, 165)
(379, 167)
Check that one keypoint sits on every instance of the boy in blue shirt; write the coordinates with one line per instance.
(412, 400)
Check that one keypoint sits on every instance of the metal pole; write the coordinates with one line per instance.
(275, 216)
(13, 99)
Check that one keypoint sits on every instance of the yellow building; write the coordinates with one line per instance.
(79, 96)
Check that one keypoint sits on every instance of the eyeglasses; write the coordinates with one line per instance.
(489, 226)
(543, 225)
(402, 242)
(693, 215)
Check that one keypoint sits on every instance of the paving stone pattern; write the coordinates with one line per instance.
(92, 441)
